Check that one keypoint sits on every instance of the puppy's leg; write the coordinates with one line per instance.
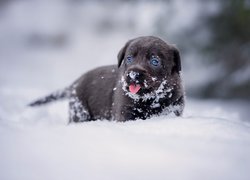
(179, 104)
(77, 111)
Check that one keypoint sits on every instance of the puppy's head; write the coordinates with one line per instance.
(148, 62)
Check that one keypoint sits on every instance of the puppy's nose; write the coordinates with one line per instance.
(134, 75)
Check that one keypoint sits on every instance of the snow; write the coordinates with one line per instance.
(210, 141)
(157, 94)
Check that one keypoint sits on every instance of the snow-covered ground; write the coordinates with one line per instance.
(211, 140)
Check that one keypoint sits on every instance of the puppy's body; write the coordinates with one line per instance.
(95, 91)
(146, 82)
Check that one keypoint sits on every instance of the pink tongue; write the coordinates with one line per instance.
(134, 88)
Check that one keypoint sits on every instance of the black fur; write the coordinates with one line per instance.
(66, 93)
(103, 93)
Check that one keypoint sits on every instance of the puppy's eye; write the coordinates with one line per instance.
(154, 61)
(129, 59)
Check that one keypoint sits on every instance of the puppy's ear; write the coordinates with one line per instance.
(122, 52)
(177, 60)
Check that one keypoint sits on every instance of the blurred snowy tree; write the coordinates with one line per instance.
(229, 47)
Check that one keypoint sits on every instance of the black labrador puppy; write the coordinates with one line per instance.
(145, 82)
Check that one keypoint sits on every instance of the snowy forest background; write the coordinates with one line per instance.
(46, 44)
(213, 37)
